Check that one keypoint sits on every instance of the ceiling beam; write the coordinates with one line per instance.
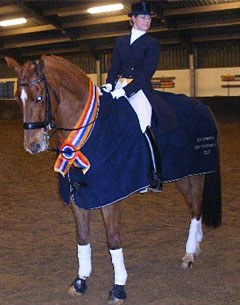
(165, 41)
(206, 25)
(157, 9)
(39, 42)
(6, 8)
(64, 12)
(34, 12)
(216, 37)
(49, 27)
(78, 9)
(103, 20)
(81, 9)
(68, 35)
(52, 51)
(27, 30)
(202, 9)
(121, 18)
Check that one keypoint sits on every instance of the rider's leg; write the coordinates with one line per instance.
(143, 109)
(156, 182)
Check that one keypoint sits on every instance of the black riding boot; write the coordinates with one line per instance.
(156, 182)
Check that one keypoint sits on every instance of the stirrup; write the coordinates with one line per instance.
(156, 184)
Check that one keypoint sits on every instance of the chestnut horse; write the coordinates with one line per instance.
(54, 94)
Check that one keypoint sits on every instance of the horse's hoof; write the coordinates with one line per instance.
(78, 287)
(117, 295)
(186, 265)
(115, 301)
(187, 261)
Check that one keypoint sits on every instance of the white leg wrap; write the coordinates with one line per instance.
(84, 261)
(192, 243)
(119, 266)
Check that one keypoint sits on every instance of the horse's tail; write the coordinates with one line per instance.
(212, 201)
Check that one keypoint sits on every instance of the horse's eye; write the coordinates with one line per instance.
(39, 99)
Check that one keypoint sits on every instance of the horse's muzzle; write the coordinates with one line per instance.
(37, 147)
(35, 143)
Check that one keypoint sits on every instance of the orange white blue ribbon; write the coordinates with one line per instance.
(70, 153)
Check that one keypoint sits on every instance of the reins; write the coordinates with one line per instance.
(66, 129)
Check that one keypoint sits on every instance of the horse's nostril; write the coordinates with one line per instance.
(35, 148)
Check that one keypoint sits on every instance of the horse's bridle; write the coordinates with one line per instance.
(48, 122)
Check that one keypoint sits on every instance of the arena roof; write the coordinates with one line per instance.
(55, 27)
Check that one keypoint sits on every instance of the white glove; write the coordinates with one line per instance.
(117, 93)
(106, 88)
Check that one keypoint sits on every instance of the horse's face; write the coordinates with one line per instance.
(31, 93)
(33, 101)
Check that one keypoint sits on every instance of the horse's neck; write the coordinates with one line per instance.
(72, 92)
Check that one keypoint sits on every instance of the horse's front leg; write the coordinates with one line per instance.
(112, 219)
(82, 218)
(192, 189)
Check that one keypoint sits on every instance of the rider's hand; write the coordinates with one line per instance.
(117, 93)
(106, 88)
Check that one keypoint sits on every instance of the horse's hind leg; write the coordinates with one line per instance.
(82, 218)
(192, 189)
(112, 219)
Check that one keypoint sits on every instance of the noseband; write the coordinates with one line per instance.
(48, 122)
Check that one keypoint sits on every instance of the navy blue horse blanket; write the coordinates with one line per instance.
(186, 133)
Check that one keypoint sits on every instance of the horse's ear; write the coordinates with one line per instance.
(13, 64)
(41, 66)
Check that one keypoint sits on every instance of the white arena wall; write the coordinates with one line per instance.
(207, 81)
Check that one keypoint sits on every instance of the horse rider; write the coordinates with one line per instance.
(135, 59)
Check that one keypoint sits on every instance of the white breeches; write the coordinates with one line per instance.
(140, 104)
